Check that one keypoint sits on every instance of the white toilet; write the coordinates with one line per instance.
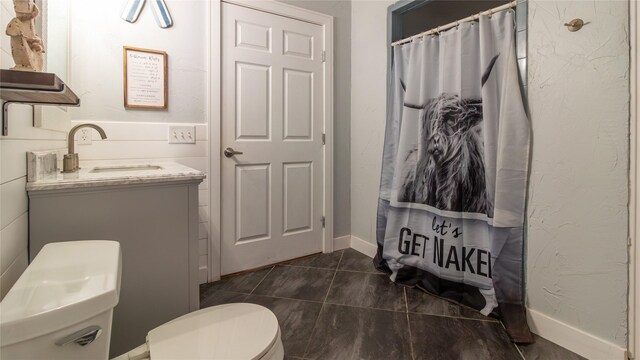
(62, 305)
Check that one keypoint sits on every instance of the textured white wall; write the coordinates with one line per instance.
(97, 37)
(578, 216)
(368, 111)
(578, 97)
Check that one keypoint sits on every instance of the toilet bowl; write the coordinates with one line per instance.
(62, 308)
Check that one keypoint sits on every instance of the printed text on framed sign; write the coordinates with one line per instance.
(145, 78)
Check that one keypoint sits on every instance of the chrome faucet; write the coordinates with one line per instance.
(71, 162)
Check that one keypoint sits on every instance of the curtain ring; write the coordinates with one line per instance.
(457, 24)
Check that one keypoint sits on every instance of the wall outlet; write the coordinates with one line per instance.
(84, 136)
(182, 134)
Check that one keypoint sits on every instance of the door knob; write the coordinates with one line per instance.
(229, 152)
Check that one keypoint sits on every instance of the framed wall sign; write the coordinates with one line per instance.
(145, 78)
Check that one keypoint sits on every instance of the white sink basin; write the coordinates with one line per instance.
(121, 168)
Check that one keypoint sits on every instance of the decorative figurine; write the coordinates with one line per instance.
(26, 46)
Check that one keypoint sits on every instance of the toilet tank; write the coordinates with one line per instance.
(62, 305)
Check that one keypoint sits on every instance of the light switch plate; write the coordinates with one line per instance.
(182, 134)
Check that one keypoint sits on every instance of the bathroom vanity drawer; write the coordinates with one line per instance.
(156, 225)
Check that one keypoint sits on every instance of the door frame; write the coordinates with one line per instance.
(215, 124)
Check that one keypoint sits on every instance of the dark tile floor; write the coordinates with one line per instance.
(337, 306)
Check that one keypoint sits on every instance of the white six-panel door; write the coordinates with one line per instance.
(272, 112)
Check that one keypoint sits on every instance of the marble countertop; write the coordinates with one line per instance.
(106, 173)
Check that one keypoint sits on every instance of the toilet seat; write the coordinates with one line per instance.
(232, 331)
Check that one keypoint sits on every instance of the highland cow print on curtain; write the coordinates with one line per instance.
(455, 161)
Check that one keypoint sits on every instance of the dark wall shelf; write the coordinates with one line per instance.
(32, 88)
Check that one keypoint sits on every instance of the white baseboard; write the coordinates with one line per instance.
(363, 246)
(574, 339)
(342, 242)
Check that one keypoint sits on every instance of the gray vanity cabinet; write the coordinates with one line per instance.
(156, 225)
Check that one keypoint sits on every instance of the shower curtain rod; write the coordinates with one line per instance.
(455, 23)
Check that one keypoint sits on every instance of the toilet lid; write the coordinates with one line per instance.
(232, 331)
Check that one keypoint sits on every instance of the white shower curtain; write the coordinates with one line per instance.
(453, 183)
